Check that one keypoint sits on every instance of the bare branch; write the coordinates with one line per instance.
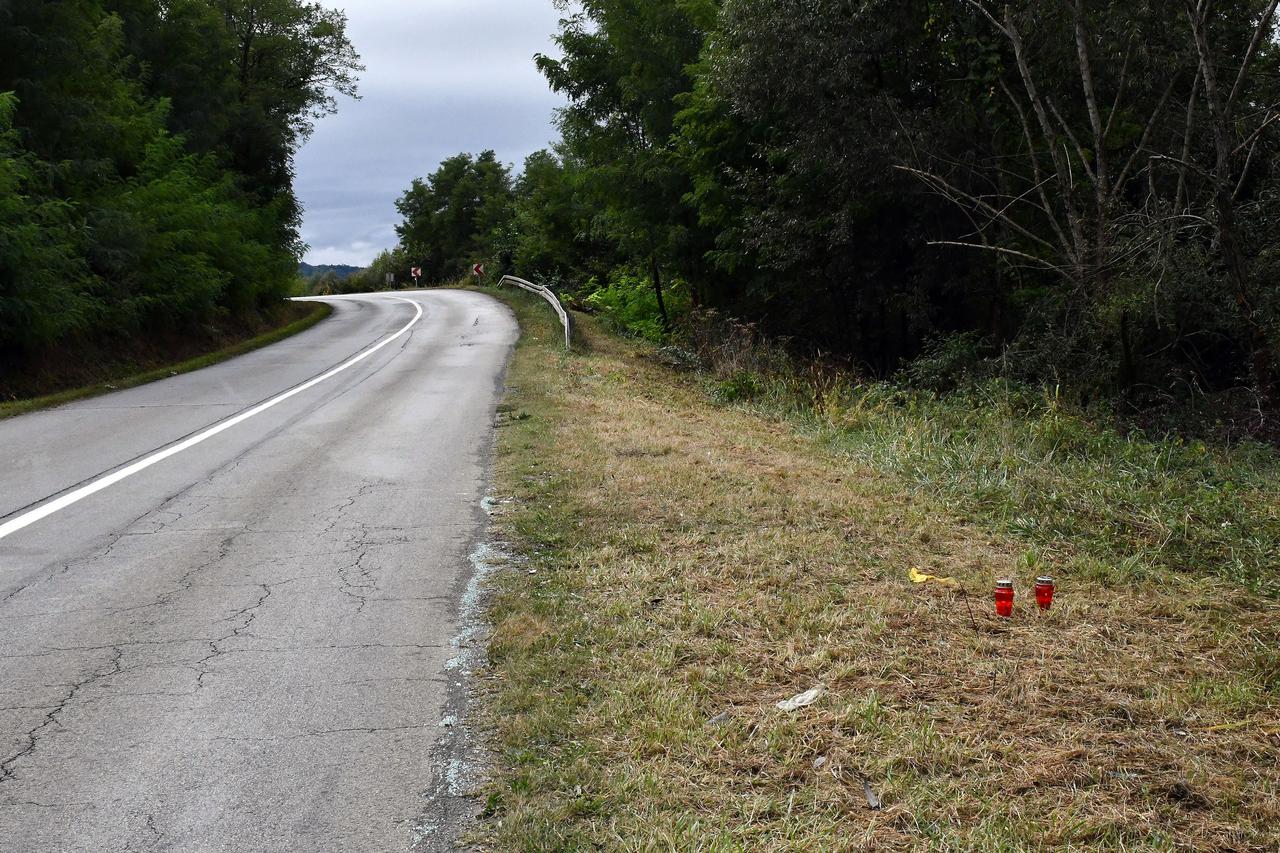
(1065, 244)
(1186, 164)
(1091, 99)
(1259, 33)
(1037, 104)
(1040, 262)
(1081, 154)
(1253, 141)
(1186, 141)
(1217, 109)
(1124, 80)
(987, 14)
(954, 193)
(1272, 115)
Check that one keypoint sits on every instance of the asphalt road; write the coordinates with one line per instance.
(239, 642)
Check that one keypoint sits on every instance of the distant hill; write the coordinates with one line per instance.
(340, 270)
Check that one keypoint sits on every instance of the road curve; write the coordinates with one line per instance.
(239, 643)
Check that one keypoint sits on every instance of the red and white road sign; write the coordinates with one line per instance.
(416, 272)
(478, 270)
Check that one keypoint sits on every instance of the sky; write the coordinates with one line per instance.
(443, 76)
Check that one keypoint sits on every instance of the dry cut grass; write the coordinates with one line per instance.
(687, 565)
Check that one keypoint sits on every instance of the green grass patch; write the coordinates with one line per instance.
(1117, 506)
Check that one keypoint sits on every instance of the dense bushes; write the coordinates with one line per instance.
(629, 302)
(145, 178)
(41, 272)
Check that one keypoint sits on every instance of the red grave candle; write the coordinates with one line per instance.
(1004, 598)
(1044, 592)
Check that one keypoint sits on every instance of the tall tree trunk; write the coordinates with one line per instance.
(657, 291)
(1128, 370)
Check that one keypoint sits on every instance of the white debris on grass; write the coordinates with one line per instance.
(800, 700)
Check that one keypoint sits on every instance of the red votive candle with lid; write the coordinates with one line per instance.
(1004, 598)
(1044, 592)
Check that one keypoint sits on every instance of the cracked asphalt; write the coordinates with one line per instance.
(243, 647)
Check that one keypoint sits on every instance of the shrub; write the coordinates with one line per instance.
(630, 305)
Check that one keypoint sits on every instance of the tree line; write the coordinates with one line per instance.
(146, 149)
(1077, 192)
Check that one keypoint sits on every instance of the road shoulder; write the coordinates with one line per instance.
(689, 564)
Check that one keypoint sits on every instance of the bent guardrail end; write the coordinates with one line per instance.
(547, 294)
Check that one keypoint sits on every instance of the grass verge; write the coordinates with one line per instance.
(1119, 506)
(131, 378)
(688, 563)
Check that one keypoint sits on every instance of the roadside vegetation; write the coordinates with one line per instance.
(1119, 505)
(965, 289)
(694, 546)
(146, 181)
(134, 363)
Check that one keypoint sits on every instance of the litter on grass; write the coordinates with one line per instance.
(918, 576)
(873, 800)
(800, 700)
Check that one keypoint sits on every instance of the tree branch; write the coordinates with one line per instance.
(1041, 262)
(1259, 33)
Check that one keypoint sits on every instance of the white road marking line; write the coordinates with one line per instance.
(45, 510)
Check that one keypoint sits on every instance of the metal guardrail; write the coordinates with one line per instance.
(547, 294)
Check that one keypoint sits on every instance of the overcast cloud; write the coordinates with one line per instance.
(443, 76)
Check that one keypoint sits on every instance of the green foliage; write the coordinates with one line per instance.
(740, 387)
(455, 217)
(624, 65)
(145, 161)
(954, 361)
(630, 304)
(551, 228)
(961, 188)
(246, 78)
(195, 247)
(824, 243)
(43, 292)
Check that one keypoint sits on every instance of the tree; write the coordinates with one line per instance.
(552, 221)
(43, 280)
(1127, 153)
(145, 161)
(1242, 123)
(455, 217)
(246, 79)
(625, 63)
(1088, 189)
(798, 115)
